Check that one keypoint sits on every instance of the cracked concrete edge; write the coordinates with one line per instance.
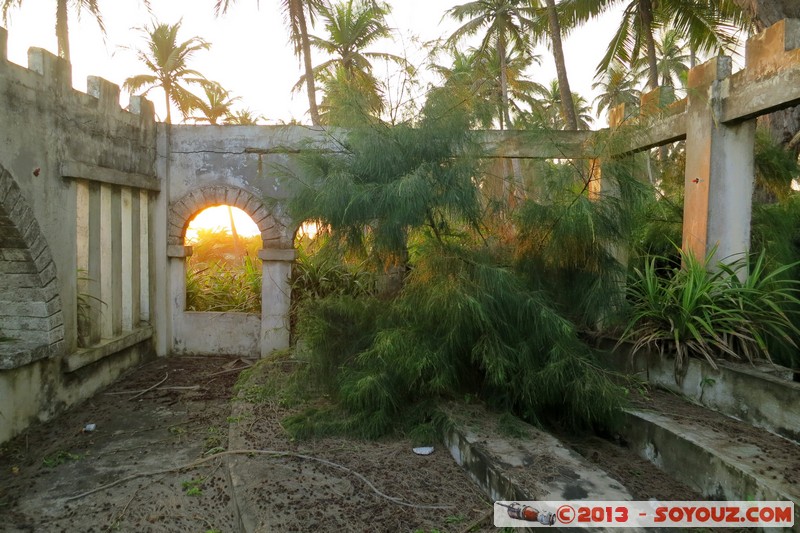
(697, 463)
(244, 517)
(491, 461)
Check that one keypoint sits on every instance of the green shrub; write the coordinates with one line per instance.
(692, 311)
(461, 325)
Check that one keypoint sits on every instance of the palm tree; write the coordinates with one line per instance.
(352, 26)
(297, 14)
(671, 59)
(708, 26)
(548, 111)
(217, 103)
(617, 86)
(243, 117)
(554, 26)
(62, 19)
(167, 60)
(504, 23)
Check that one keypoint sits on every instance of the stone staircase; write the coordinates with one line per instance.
(725, 434)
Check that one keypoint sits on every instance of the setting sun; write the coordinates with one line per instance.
(218, 218)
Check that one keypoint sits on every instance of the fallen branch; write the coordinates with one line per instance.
(120, 393)
(151, 388)
(273, 453)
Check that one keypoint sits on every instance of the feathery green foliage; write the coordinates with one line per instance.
(462, 325)
(463, 321)
(167, 63)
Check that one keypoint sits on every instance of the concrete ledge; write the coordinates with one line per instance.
(178, 250)
(106, 348)
(535, 467)
(747, 393)
(277, 254)
(79, 170)
(15, 354)
(713, 462)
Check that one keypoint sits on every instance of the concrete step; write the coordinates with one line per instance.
(719, 456)
(522, 462)
(763, 395)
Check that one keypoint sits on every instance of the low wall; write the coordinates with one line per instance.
(762, 396)
(217, 334)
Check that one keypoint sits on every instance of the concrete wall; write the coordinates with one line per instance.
(95, 200)
(76, 179)
(246, 167)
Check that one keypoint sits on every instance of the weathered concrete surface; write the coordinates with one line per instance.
(717, 463)
(52, 140)
(535, 466)
(763, 396)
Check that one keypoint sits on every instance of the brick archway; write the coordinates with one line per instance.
(31, 315)
(274, 232)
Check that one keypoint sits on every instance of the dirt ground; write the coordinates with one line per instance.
(51, 474)
(246, 473)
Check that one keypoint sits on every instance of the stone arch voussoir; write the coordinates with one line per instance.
(275, 232)
(31, 314)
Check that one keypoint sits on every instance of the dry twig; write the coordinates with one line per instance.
(274, 453)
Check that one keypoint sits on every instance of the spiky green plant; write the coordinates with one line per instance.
(226, 287)
(693, 311)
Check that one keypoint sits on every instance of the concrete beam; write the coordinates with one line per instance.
(87, 171)
(277, 254)
(745, 99)
(541, 144)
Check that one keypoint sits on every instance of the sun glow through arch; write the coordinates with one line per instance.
(218, 218)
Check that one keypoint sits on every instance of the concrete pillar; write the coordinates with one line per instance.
(720, 170)
(144, 256)
(177, 255)
(136, 259)
(276, 298)
(106, 260)
(116, 261)
(82, 201)
(160, 308)
(126, 278)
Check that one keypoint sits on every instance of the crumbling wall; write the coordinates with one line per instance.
(77, 189)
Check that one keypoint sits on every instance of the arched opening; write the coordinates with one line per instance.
(31, 320)
(223, 272)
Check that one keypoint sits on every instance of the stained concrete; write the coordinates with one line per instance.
(530, 465)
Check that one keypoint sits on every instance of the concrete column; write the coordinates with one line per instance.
(144, 256)
(177, 255)
(720, 170)
(106, 286)
(83, 320)
(95, 263)
(116, 261)
(276, 298)
(136, 259)
(126, 278)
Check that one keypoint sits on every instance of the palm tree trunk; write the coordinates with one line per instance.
(505, 115)
(646, 13)
(567, 104)
(62, 29)
(311, 88)
(237, 250)
(167, 101)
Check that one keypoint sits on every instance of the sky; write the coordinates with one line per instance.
(250, 55)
